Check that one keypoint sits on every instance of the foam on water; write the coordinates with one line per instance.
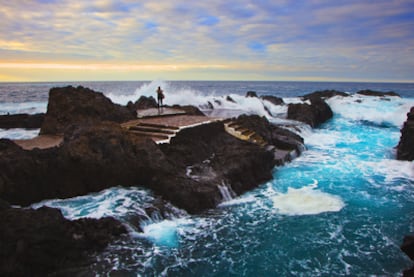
(18, 133)
(23, 107)
(306, 201)
(387, 110)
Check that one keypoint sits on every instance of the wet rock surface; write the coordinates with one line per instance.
(76, 106)
(27, 121)
(405, 148)
(42, 242)
(314, 114)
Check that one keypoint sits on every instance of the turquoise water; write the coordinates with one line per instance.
(341, 208)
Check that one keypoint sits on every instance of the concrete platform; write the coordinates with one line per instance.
(41, 142)
(155, 112)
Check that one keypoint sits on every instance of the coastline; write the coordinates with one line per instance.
(212, 135)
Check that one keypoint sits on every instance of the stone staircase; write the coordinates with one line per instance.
(242, 133)
(157, 132)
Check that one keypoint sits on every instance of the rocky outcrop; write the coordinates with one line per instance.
(75, 106)
(314, 114)
(368, 92)
(325, 94)
(27, 121)
(42, 242)
(273, 99)
(405, 148)
(408, 248)
(142, 103)
(91, 158)
(251, 94)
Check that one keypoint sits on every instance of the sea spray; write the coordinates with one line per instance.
(306, 201)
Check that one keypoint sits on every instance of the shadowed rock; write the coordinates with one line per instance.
(369, 92)
(273, 99)
(42, 242)
(27, 121)
(251, 94)
(405, 148)
(314, 114)
(408, 248)
(74, 106)
(325, 94)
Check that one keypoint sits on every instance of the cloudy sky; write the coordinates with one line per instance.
(340, 40)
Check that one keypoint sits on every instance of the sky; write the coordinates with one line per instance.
(297, 40)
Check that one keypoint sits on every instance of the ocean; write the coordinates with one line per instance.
(342, 208)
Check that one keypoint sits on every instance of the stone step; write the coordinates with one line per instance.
(150, 135)
(161, 126)
(151, 130)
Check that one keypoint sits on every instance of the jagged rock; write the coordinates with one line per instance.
(189, 110)
(227, 159)
(369, 92)
(92, 158)
(142, 103)
(314, 114)
(273, 99)
(274, 135)
(27, 121)
(325, 94)
(251, 94)
(228, 98)
(408, 248)
(405, 148)
(73, 106)
(42, 242)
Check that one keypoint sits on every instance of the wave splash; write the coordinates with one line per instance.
(306, 201)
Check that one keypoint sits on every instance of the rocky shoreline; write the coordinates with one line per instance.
(97, 153)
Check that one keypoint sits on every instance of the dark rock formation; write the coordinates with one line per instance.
(42, 242)
(408, 248)
(325, 94)
(274, 135)
(369, 92)
(314, 114)
(27, 121)
(228, 98)
(405, 148)
(218, 158)
(142, 103)
(189, 110)
(73, 106)
(92, 158)
(251, 94)
(273, 99)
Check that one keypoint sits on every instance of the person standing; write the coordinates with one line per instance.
(160, 97)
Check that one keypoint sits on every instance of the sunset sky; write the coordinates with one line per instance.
(310, 40)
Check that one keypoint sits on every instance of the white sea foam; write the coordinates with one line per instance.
(306, 201)
(18, 133)
(25, 107)
(116, 202)
(390, 110)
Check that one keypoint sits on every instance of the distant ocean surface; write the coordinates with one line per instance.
(340, 209)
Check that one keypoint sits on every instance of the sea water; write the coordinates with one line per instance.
(341, 208)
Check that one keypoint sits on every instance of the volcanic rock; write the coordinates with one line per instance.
(325, 94)
(228, 98)
(314, 114)
(405, 148)
(42, 242)
(142, 103)
(27, 121)
(369, 92)
(74, 106)
(273, 99)
(408, 248)
(251, 94)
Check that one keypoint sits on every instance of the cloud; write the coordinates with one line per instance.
(335, 37)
